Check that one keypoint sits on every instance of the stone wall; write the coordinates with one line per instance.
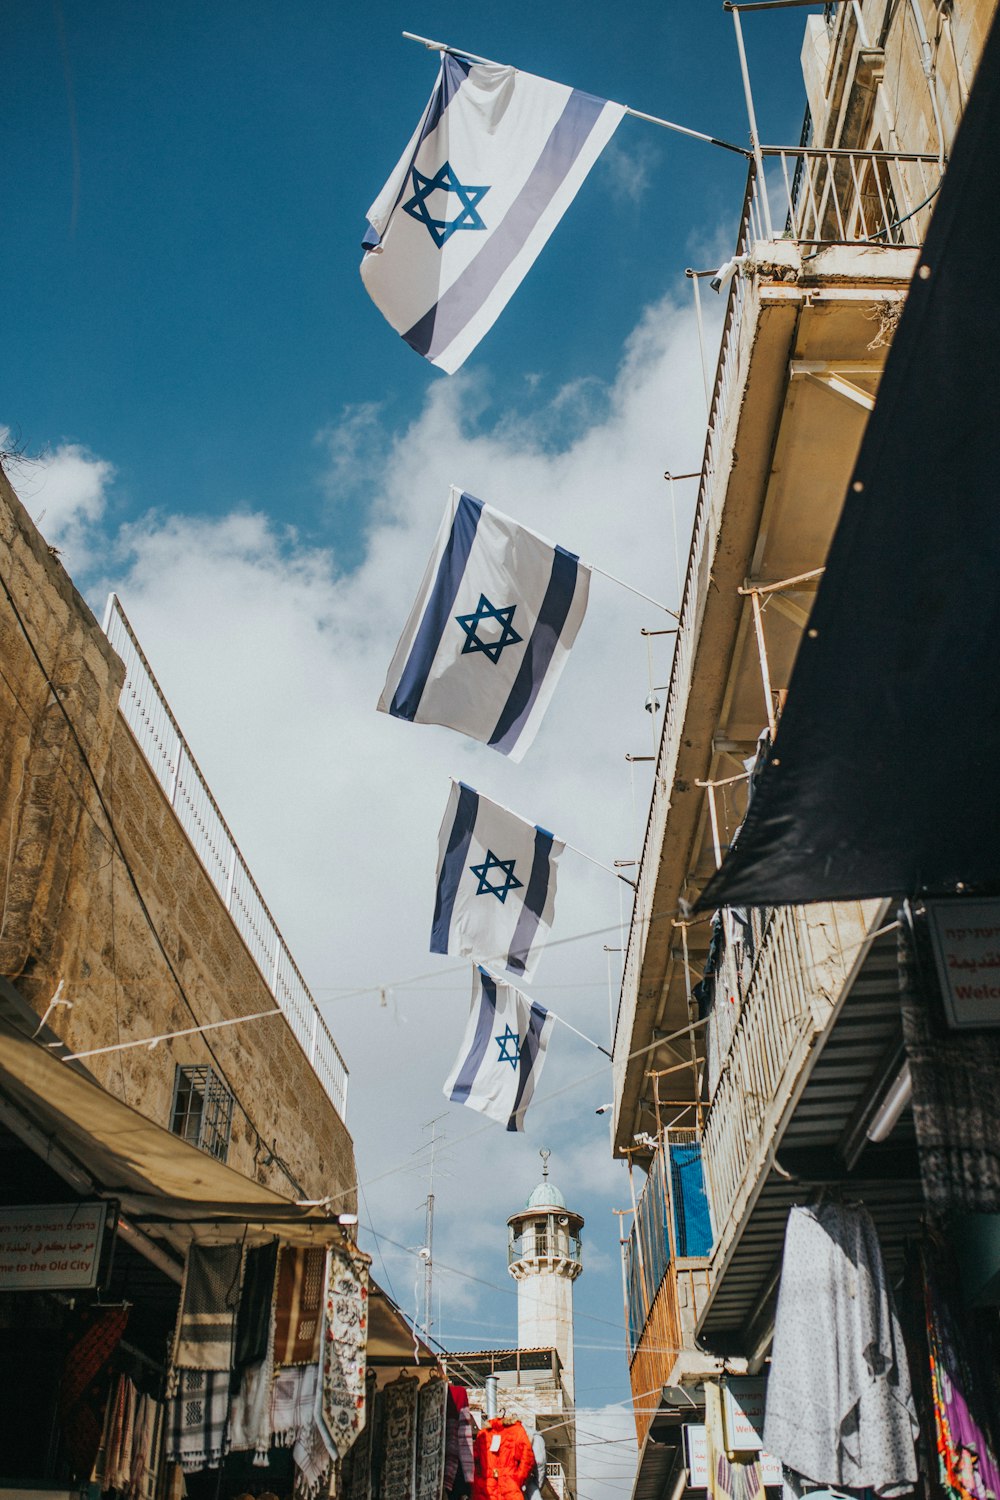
(100, 889)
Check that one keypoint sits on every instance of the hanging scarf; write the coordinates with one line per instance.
(431, 1403)
(196, 1420)
(253, 1321)
(206, 1324)
(250, 1413)
(400, 1439)
(93, 1337)
(299, 1306)
(293, 1403)
(967, 1460)
(340, 1405)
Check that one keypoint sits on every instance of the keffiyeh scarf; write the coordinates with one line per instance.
(206, 1326)
(196, 1420)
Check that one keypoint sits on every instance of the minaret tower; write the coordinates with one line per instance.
(544, 1259)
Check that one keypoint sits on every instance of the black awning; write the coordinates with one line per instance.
(883, 777)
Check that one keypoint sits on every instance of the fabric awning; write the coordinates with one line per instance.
(126, 1155)
(881, 780)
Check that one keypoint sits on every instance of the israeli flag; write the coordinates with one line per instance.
(489, 634)
(496, 884)
(502, 1052)
(495, 162)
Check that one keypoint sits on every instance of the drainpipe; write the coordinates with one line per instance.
(927, 63)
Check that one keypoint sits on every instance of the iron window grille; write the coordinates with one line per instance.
(202, 1110)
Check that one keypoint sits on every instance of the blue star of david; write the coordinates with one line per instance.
(444, 181)
(486, 611)
(482, 872)
(505, 1042)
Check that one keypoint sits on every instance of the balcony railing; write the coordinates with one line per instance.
(529, 1246)
(147, 713)
(832, 202)
(820, 197)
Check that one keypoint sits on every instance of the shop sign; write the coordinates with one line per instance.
(696, 1459)
(743, 1412)
(966, 940)
(51, 1245)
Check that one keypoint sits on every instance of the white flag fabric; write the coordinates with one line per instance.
(489, 634)
(496, 884)
(496, 160)
(502, 1052)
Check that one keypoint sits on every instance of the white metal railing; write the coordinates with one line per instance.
(845, 197)
(777, 1013)
(830, 197)
(147, 713)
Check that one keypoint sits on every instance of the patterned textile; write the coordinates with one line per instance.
(956, 1105)
(839, 1406)
(730, 1475)
(357, 1470)
(458, 1404)
(340, 1408)
(250, 1412)
(93, 1335)
(312, 1462)
(196, 1420)
(255, 1317)
(966, 1457)
(398, 1469)
(293, 1404)
(118, 1457)
(299, 1306)
(206, 1325)
(431, 1403)
(147, 1417)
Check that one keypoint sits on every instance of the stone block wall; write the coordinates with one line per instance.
(100, 889)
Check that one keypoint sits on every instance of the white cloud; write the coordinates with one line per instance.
(272, 658)
(64, 489)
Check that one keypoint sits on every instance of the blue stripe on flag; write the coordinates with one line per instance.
(452, 866)
(463, 299)
(454, 72)
(484, 1030)
(534, 904)
(538, 653)
(454, 558)
(529, 1051)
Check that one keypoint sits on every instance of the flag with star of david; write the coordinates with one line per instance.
(497, 158)
(496, 884)
(488, 636)
(502, 1053)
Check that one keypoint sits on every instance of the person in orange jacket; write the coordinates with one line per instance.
(503, 1460)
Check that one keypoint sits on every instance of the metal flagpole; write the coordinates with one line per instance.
(754, 137)
(636, 114)
(638, 592)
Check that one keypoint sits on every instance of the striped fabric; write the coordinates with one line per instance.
(502, 1053)
(496, 884)
(196, 1420)
(494, 163)
(488, 636)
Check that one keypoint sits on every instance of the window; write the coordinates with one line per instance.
(203, 1110)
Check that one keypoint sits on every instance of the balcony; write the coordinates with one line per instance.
(828, 241)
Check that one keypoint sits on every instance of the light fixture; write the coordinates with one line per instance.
(897, 1097)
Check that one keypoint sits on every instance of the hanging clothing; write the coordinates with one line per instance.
(459, 1435)
(196, 1420)
(956, 1104)
(206, 1323)
(967, 1459)
(250, 1412)
(503, 1460)
(93, 1335)
(299, 1306)
(293, 1404)
(432, 1400)
(839, 1405)
(533, 1484)
(340, 1408)
(255, 1316)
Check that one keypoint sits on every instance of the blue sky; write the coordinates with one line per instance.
(230, 435)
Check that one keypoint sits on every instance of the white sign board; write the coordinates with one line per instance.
(743, 1412)
(52, 1245)
(966, 940)
(696, 1459)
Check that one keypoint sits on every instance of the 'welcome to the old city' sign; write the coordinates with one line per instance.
(51, 1245)
(966, 938)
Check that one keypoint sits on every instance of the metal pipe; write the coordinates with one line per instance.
(765, 675)
(492, 1381)
(754, 136)
(701, 340)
